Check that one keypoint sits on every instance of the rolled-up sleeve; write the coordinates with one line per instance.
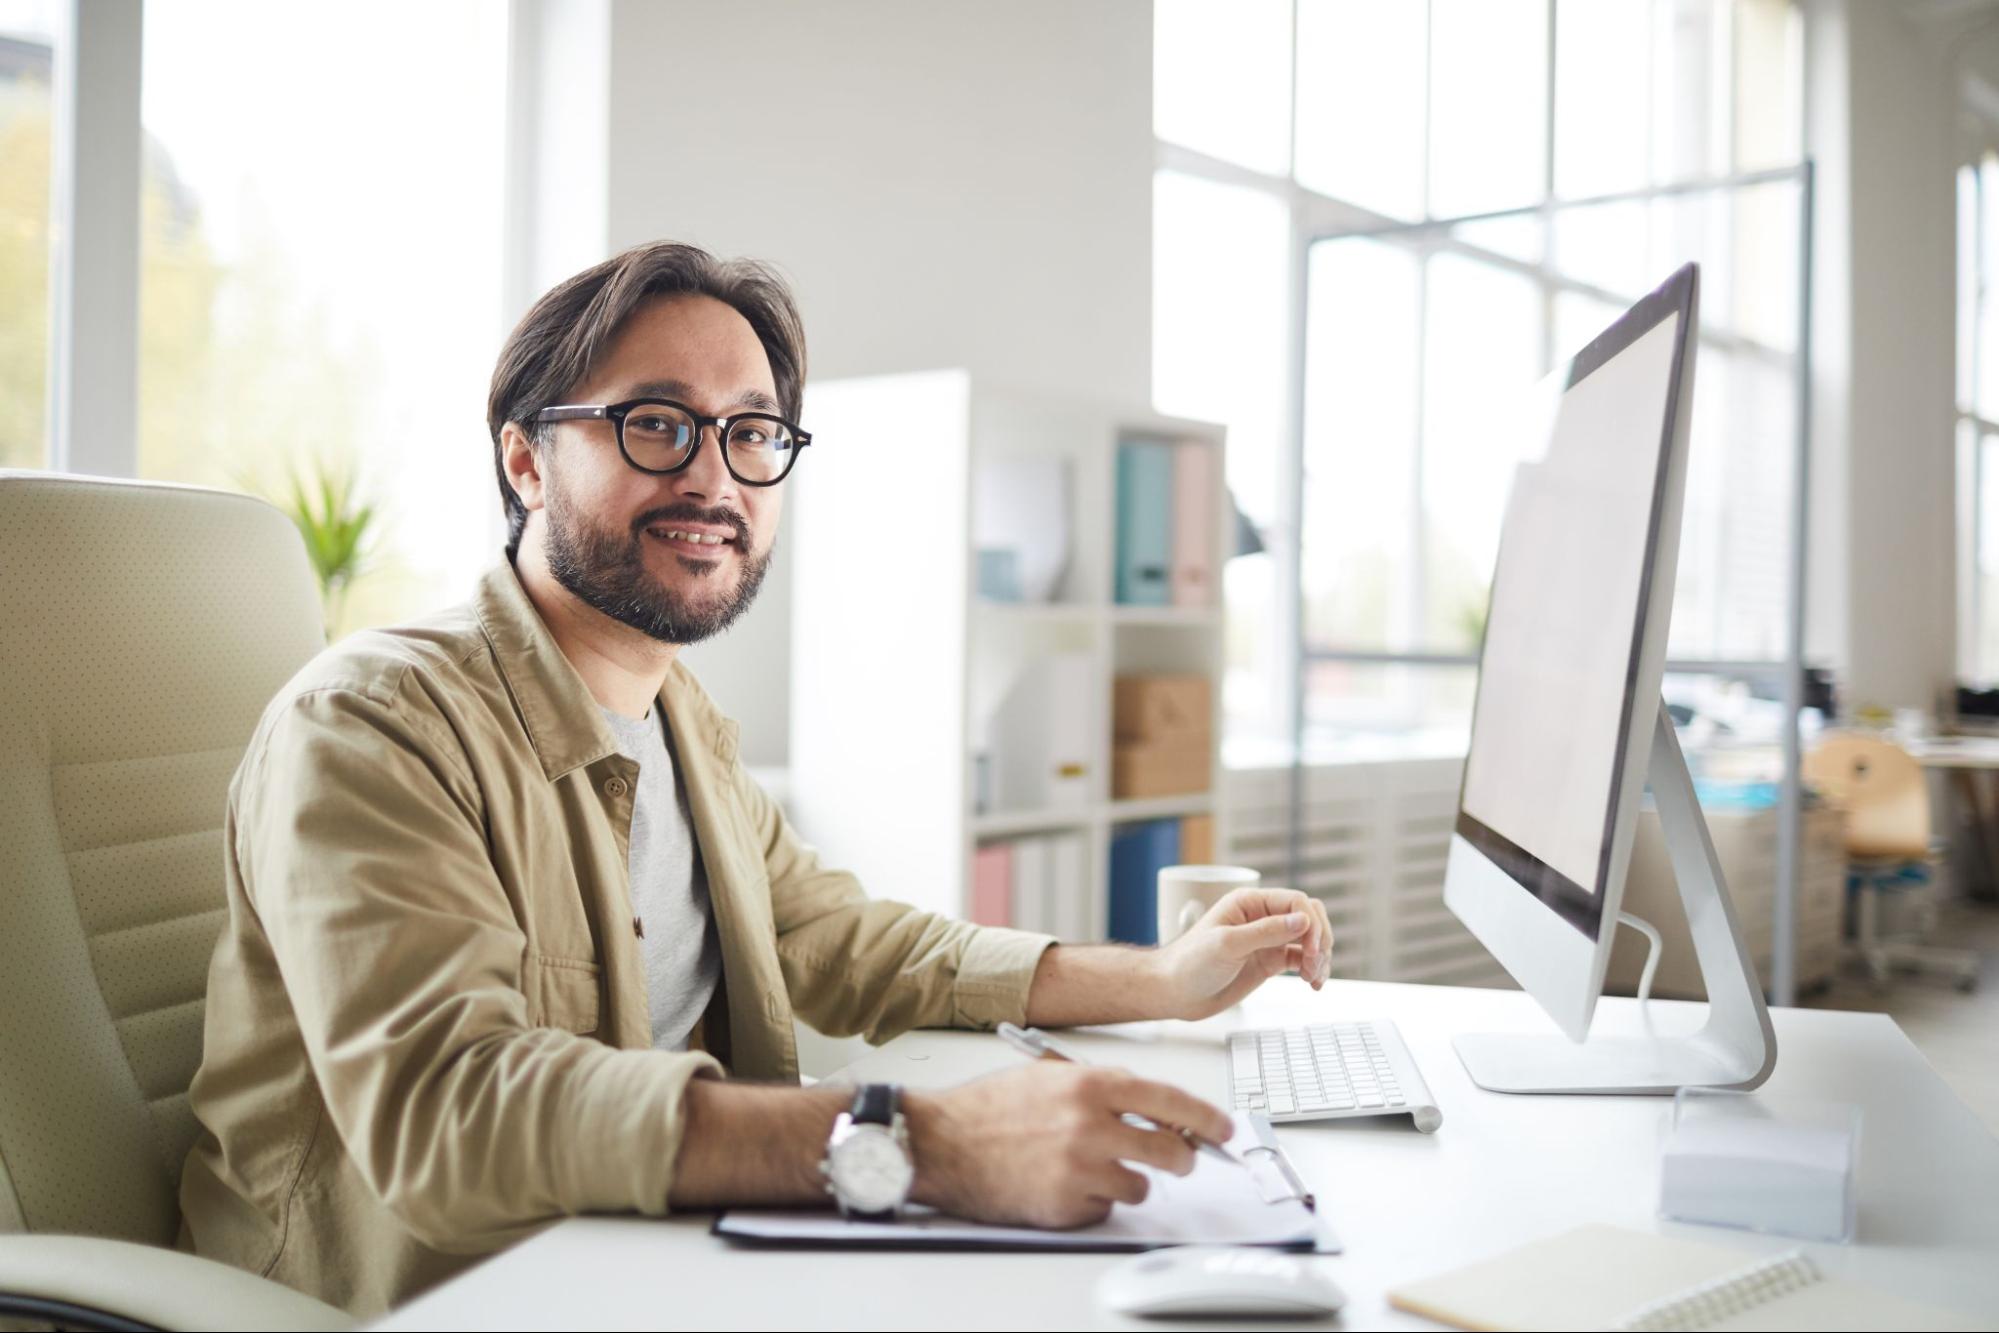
(360, 838)
(857, 966)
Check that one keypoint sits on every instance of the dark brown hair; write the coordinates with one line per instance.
(557, 342)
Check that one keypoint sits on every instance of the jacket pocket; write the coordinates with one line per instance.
(567, 993)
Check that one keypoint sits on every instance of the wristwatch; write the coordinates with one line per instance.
(868, 1167)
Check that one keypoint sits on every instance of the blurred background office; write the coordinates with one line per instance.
(1248, 293)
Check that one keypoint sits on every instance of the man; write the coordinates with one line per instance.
(504, 908)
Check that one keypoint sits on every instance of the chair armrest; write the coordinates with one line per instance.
(126, 1284)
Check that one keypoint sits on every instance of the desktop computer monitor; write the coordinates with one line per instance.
(1567, 727)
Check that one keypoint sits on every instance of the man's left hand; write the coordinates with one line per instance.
(1244, 940)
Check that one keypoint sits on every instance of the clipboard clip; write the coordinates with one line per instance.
(1276, 1179)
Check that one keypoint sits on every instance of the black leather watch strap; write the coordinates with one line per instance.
(875, 1104)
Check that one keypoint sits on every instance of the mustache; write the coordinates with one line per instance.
(689, 513)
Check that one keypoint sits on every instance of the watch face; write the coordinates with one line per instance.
(870, 1169)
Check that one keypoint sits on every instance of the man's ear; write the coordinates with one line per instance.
(522, 461)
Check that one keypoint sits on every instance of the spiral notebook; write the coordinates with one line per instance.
(1607, 1277)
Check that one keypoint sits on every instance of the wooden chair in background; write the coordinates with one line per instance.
(1882, 792)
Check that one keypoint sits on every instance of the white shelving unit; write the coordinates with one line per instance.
(898, 665)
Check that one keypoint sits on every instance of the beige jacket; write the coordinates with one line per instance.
(427, 1030)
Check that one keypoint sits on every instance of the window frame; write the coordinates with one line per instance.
(1974, 427)
(1315, 217)
(94, 204)
(97, 144)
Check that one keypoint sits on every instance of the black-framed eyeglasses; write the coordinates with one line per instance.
(659, 436)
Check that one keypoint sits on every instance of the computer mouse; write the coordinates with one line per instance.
(1219, 1281)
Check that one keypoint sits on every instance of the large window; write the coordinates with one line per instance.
(319, 281)
(1412, 341)
(28, 33)
(1978, 420)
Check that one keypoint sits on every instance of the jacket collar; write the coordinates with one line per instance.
(563, 721)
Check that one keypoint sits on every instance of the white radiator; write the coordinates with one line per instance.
(1375, 838)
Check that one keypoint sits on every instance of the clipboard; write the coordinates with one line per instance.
(1218, 1203)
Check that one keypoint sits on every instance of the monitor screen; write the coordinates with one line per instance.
(1554, 710)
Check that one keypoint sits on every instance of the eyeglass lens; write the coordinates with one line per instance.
(658, 436)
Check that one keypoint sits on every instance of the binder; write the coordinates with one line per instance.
(1071, 917)
(1032, 876)
(1194, 505)
(992, 885)
(1041, 734)
(1138, 853)
(1145, 523)
(1197, 840)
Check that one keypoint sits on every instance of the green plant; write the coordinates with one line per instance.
(337, 524)
(1471, 620)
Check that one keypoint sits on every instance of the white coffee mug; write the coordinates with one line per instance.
(1187, 892)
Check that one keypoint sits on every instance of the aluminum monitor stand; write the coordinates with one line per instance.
(1737, 1047)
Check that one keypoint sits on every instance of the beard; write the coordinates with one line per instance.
(607, 570)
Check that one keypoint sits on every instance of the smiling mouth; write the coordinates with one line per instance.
(697, 543)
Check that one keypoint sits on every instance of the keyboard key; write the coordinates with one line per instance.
(1283, 1105)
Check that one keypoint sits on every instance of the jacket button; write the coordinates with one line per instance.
(616, 787)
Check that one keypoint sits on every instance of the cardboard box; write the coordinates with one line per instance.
(1161, 768)
(1162, 708)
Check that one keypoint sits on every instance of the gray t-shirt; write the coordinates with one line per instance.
(683, 954)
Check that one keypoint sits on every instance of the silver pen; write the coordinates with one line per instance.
(1036, 1044)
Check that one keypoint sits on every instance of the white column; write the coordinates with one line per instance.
(94, 267)
(558, 145)
(1879, 124)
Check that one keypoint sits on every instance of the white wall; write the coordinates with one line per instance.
(965, 184)
(1880, 125)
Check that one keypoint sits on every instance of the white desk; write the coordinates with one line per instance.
(1970, 763)
(1956, 751)
(1500, 1171)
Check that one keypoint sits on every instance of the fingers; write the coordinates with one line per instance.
(1272, 932)
(1251, 904)
(1117, 1184)
(1321, 962)
(1264, 906)
(1153, 1146)
(1164, 1104)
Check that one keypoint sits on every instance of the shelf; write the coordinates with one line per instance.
(945, 672)
(1057, 612)
(1161, 807)
(1193, 617)
(1005, 823)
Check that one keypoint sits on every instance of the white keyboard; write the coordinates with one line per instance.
(1328, 1071)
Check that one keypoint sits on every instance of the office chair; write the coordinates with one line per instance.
(142, 630)
(1885, 798)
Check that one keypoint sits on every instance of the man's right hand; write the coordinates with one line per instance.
(1045, 1144)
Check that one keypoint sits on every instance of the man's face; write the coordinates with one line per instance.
(609, 525)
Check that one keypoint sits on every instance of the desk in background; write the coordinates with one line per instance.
(1970, 763)
(1501, 1170)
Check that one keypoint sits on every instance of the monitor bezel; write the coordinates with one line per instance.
(1574, 904)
